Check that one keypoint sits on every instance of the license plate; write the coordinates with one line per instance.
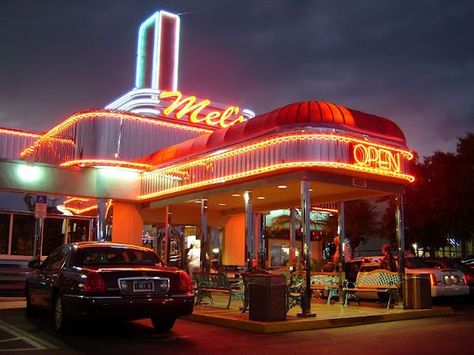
(143, 286)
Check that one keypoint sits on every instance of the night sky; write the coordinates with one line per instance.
(410, 61)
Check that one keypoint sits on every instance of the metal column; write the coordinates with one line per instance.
(341, 231)
(204, 236)
(262, 245)
(166, 239)
(293, 237)
(400, 231)
(249, 230)
(305, 217)
(101, 223)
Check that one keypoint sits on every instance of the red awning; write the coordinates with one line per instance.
(302, 114)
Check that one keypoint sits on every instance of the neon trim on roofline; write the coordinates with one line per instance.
(107, 115)
(276, 140)
(272, 168)
(105, 162)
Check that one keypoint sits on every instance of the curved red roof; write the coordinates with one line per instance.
(302, 114)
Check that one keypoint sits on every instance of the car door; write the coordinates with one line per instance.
(46, 277)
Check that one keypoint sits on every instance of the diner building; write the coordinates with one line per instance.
(161, 168)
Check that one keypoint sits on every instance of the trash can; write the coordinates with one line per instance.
(267, 297)
(417, 291)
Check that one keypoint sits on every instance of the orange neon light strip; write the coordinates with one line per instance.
(274, 141)
(104, 162)
(32, 135)
(107, 115)
(81, 211)
(272, 168)
(88, 209)
(277, 140)
(330, 210)
(19, 133)
(73, 199)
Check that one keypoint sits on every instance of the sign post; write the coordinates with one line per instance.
(41, 206)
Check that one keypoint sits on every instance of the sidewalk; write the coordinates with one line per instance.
(327, 316)
(12, 302)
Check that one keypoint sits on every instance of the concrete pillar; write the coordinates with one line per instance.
(127, 224)
(249, 230)
(260, 245)
(305, 216)
(234, 241)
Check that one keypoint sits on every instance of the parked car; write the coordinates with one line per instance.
(444, 282)
(468, 261)
(444, 263)
(107, 280)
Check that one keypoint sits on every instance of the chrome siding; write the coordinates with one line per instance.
(11, 144)
(110, 138)
(218, 168)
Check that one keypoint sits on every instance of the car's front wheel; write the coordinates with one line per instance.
(61, 321)
(163, 324)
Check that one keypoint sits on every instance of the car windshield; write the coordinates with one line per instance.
(413, 263)
(114, 256)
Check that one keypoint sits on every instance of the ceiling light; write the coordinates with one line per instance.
(260, 197)
(235, 195)
(221, 204)
(282, 186)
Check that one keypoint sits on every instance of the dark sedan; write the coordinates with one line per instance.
(108, 280)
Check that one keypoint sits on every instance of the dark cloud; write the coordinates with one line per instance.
(411, 61)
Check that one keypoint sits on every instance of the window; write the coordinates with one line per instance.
(78, 230)
(4, 232)
(94, 256)
(53, 234)
(23, 234)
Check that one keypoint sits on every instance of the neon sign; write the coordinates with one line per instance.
(192, 108)
(375, 157)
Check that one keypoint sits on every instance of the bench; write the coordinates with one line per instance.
(377, 281)
(326, 282)
(206, 283)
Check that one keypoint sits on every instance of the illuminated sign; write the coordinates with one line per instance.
(191, 107)
(375, 157)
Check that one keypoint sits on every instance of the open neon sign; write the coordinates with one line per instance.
(191, 107)
(375, 157)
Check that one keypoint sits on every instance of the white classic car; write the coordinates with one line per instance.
(443, 282)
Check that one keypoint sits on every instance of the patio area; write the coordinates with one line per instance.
(327, 316)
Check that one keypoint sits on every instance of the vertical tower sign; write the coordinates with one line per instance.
(158, 52)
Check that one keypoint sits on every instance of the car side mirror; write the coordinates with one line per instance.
(34, 264)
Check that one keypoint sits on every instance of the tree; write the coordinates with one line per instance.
(361, 218)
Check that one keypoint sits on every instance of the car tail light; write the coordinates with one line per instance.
(433, 279)
(94, 283)
(185, 283)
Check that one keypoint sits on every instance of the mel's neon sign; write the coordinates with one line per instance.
(191, 107)
(375, 157)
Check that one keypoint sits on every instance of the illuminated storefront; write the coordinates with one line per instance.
(155, 159)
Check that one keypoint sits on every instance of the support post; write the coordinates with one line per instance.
(38, 238)
(341, 231)
(166, 239)
(305, 216)
(400, 232)
(101, 223)
(292, 237)
(204, 237)
(249, 230)
(262, 245)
